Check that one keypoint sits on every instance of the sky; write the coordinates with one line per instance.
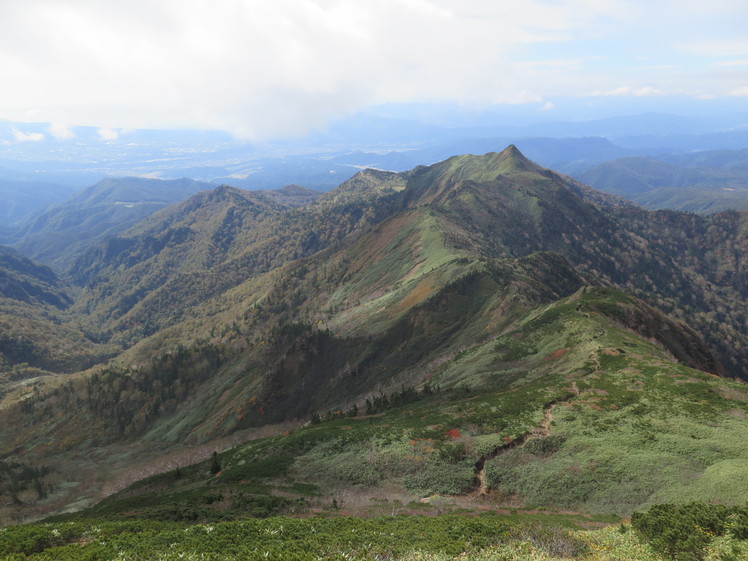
(263, 69)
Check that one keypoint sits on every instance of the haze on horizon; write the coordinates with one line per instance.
(261, 70)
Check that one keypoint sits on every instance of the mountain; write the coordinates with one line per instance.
(35, 339)
(21, 199)
(567, 408)
(562, 154)
(55, 235)
(701, 200)
(481, 327)
(703, 182)
(292, 195)
(22, 279)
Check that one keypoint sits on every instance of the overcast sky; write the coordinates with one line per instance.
(269, 68)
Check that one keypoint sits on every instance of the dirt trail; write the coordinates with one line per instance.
(541, 431)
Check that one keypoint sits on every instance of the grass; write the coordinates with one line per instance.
(490, 537)
(620, 453)
(625, 427)
(565, 407)
(391, 274)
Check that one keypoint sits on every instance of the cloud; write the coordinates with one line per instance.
(740, 91)
(61, 131)
(20, 136)
(628, 91)
(261, 69)
(258, 68)
(743, 62)
(107, 134)
(565, 64)
(548, 106)
(718, 47)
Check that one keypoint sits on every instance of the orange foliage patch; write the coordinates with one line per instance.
(422, 290)
(454, 433)
(558, 353)
(383, 236)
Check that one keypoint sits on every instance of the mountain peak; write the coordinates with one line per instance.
(491, 165)
(431, 183)
(512, 151)
(511, 159)
(224, 190)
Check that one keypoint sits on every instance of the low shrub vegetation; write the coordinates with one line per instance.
(685, 532)
(663, 533)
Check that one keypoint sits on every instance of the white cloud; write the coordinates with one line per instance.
(61, 131)
(21, 136)
(743, 62)
(740, 91)
(548, 106)
(260, 68)
(257, 67)
(564, 64)
(107, 134)
(628, 91)
(718, 47)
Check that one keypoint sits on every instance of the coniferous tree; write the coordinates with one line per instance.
(215, 464)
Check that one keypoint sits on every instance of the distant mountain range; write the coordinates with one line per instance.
(701, 182)
(387, 138)
(21, 199)
(480, 327)
(59, 231)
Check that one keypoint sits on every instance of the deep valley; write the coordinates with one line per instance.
(480, 335)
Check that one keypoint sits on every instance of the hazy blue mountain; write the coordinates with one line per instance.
(726, 159)
(398, 138)
(99, 211)
(701, 200)
(701, 182)
(633, 175)
(21, 199)
(563, 154)
(673, 144)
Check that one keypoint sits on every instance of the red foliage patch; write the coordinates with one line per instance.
(558, 353)
(454, 433)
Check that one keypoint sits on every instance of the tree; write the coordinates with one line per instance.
(215, 464)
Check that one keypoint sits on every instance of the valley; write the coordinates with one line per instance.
(479, 335)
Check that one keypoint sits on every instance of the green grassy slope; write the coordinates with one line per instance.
(472, 276)
(155, 274)
(566, 409)
(492, 206)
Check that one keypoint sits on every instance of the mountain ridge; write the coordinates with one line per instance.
(703, 182)
(56, 234)
(235, 311)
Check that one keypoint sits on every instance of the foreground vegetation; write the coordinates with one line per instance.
(568, 409)
(668, 533)
(585, 415)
